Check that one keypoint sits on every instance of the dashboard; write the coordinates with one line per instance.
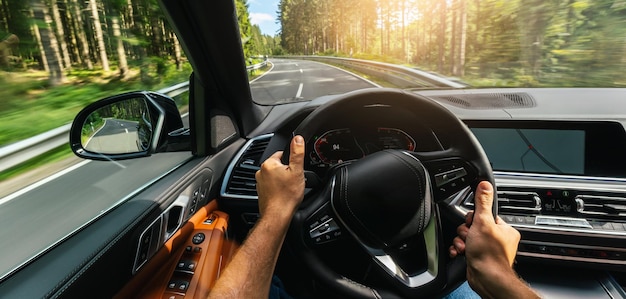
(561, 180)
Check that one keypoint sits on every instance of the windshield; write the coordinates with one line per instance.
(446, 43)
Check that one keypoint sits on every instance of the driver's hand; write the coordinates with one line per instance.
(489, 245)
(281, 187)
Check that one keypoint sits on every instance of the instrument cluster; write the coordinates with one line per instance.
(336, 146)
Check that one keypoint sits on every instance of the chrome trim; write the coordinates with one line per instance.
(233, 164)
(430, 235)
(583, 183)
(150, 251)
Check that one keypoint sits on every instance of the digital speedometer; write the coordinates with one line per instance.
(390, 138)
(337, 146)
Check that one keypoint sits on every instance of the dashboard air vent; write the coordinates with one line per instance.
(517, 202)
(601, 206)
(240, 181)
(489, 100)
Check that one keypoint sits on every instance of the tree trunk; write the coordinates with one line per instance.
(56, 15)
(121, 53)
(442, 35)
(48, 42)
(453, 39)
(42, 53)
(99, 36)
(177, 53)
(460, 62)
(82, 37)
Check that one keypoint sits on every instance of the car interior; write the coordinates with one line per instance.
(414, 159)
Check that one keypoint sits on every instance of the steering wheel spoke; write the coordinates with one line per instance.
(393, 203)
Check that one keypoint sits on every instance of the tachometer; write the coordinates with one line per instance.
(389, 138)
(337, 146)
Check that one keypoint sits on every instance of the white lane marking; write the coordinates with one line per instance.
(261, 76)
(126, 130)
(296, 64)
(44, 181)
(300, 71)
(351, 73)
(299, 90)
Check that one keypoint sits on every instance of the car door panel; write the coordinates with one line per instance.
(170, 264)
(99, 260)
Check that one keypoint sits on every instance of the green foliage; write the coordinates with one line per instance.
(504, 42)
(31, 107)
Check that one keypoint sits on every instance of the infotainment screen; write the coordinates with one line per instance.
(534, 150)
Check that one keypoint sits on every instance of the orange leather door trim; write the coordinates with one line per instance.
(208, 257)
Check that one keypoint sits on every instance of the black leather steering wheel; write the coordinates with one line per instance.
(394, 209)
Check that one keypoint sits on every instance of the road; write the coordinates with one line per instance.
(298, 80)
(41, 214)
(115, 137)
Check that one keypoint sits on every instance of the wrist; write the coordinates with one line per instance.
(499, 282)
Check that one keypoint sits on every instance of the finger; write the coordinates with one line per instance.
(500, 220)
(296, 156)
(271, 162)
(483, 201)
(462, 231)
(452, 251)
(469, 218)
(459, 245)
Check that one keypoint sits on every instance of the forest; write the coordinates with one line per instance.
(62, 35)
(485, 42)
(56, 56)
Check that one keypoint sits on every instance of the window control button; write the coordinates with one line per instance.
(183, 285)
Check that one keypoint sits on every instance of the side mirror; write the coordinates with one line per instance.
(126, 126)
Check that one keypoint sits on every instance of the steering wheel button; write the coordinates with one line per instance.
(324, 228)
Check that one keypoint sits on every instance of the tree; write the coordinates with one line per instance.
(99, 36)
(49, 45)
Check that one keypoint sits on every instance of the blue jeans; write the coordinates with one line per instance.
(277, 291)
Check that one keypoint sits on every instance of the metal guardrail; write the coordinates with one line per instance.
(22, 151)
(256, 66)
(400, 76)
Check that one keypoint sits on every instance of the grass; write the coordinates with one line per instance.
(29, 106)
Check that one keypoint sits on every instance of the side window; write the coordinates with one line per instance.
(55, 58)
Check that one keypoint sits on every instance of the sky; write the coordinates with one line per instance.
(263, 13)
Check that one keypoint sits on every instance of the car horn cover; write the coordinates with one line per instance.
(383, 198)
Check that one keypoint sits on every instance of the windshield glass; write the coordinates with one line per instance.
(434, 44)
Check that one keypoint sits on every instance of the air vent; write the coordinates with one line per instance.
(514, 201)
(240, 181)
(489, 100)
(517, 202)
(601, 206)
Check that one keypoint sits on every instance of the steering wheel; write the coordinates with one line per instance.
(395, 210)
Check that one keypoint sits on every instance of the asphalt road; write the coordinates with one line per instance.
(115, 137)
(39, 215)
(298, 80)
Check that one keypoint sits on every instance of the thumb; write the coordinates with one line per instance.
(483, 202)
(296, 155)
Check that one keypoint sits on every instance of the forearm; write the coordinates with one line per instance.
(249, 274)
(503, 283)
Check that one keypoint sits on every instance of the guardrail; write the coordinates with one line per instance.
(398, 75)
(22, 151)
(256, 66)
